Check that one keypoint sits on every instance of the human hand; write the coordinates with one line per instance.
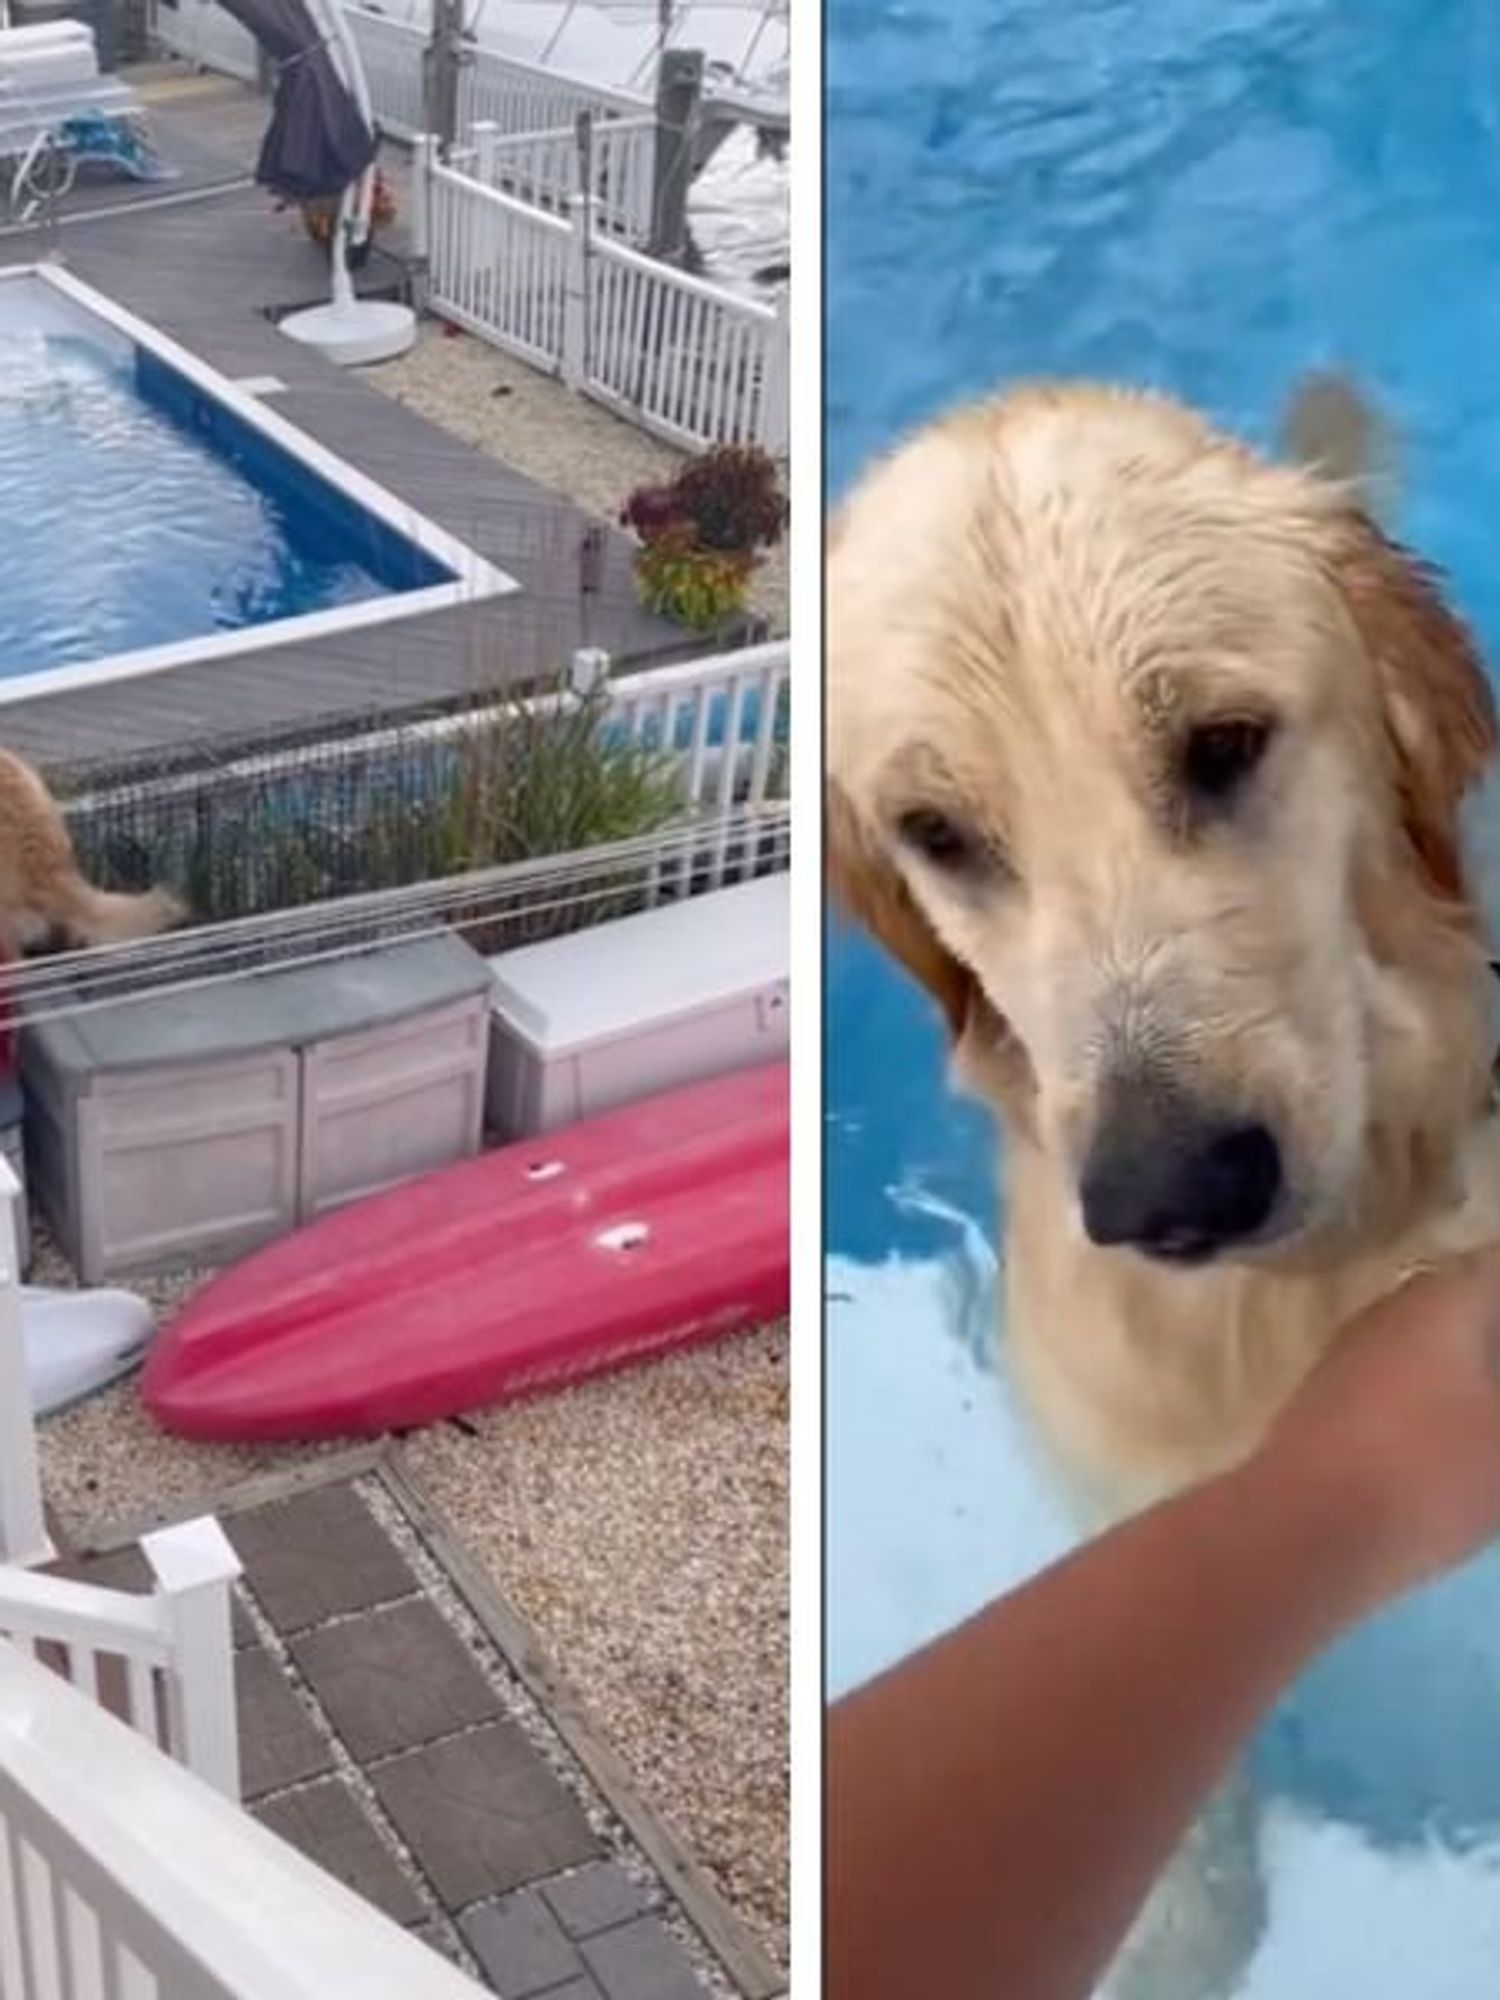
(1402, 1422)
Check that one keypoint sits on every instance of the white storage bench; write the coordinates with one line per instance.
(199, 1124)
(618, 1012)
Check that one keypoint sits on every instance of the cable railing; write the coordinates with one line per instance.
(701, 853)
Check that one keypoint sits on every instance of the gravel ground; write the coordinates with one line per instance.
(546, 431)
(639, 1521)
(644, 1530)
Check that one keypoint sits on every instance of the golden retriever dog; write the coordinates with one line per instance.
(1145, 756)
(43, 892)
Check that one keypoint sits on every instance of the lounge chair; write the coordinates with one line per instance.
(57, 111)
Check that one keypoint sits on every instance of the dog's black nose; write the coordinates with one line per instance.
(1180, 1194)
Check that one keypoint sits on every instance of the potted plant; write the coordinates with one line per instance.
(320, 217)
(701, 534)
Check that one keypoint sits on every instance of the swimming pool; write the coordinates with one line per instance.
(1209, 201)
(155, 513)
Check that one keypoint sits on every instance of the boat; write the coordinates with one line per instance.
(648, 1229)
(79, 1342)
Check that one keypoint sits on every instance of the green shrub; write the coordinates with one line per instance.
(515, 785)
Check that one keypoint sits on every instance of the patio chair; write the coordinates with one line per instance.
(58, 112)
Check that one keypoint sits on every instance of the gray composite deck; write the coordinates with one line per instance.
(211, 270)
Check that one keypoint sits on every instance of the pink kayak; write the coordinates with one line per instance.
(654, 1227)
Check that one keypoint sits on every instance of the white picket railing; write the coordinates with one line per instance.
(685, 360)
(124, 1877)
(517, 96)
(727, 717)
(725, 713)
(688, 361)
(163, 1663)
(501, 268)
(543, 168)
(503, 91)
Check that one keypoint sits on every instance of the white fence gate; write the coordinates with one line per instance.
(695, 364)
(543, 168)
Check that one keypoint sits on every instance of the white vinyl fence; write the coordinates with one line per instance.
(163, 1663)
(124, 1877)
(543, 168)
(728, 718)
(692, 363)
(516, 96)
(503, 91)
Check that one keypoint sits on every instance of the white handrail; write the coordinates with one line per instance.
(60, 1610)
(128, 1875)
(164, 1661)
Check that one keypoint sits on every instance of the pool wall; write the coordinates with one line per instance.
(420, 566)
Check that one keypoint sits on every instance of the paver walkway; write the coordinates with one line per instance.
(384, 1735)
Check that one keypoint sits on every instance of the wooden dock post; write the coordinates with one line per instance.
(440, 65)
(679, 90)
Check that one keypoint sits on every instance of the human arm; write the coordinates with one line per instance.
(1000, 1804)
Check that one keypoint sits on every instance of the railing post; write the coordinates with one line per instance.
(679, 89)
(575, 318)
(588, 669)
(194, 1566)
(23, 1525)
(424, 158)
(440, 63)
(776, 387)
(486, 136)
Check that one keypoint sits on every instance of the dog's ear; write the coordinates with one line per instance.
(870, 890)
(1436, 703)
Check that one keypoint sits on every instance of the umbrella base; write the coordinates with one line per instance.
(356, 332)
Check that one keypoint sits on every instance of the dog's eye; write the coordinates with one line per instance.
(937, 837)
(1219, 757)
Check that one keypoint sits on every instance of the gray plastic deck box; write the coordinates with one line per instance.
(197, 1125)
(605, 1016)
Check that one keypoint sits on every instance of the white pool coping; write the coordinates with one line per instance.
(474, 579)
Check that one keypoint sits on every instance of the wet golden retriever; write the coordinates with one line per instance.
(43, 893)
(1145, 756)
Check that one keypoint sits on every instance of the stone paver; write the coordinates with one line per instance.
(392, 1679)
(280, 1745)
(521, 1945)
(504, 1845)
(483, 1814)
(328, 1824)
(317, 1556)
(641, 1960)
(595, 1897)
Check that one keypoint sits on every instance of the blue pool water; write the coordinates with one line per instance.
(138, 511)
(1209, 200)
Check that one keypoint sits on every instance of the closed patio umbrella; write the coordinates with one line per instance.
(317, 143)
(320, 143)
